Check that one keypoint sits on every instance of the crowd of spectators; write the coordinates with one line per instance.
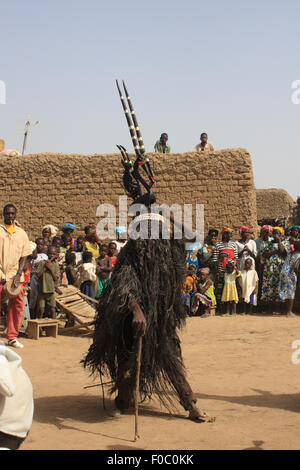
(223, 276)
(243, 276)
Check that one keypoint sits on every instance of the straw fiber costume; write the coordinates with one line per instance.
(143, 298)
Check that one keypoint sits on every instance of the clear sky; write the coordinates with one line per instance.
(224, 67)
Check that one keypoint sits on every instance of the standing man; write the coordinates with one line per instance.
(161, 145)
(204, 145)
(14, 249)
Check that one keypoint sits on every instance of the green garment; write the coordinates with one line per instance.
(102, 283)
(46, 281)
(160, 149)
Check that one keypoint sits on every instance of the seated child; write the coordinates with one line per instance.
(249, 285)
(204, 294)
(103, 270)
(229, 294)
(188, 287)
(48, 273)
(88, 276)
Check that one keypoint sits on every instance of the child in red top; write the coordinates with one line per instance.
(112, 253)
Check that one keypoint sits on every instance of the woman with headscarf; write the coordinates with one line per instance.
(68, 229)
(274, 255)
(246, 247)
(48, 232)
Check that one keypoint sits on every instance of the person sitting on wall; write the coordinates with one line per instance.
(7, 152)
(204, 145)
(161, 146)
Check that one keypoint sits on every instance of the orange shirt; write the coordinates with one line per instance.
(188, 285)
(10, 228)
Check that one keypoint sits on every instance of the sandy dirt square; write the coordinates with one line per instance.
(240, 368)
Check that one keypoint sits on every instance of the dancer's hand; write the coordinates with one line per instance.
(139, 321)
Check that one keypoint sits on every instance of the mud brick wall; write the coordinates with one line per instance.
(275, 204)
(57, 188)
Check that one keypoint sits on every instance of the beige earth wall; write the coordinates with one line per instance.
(56, 188)
(274, 203)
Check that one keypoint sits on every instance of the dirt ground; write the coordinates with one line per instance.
(240, 369)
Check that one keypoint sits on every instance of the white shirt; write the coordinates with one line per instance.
(240, 246)
(88, 273)
(16, 394)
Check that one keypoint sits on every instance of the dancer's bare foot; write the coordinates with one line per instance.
(200, 416)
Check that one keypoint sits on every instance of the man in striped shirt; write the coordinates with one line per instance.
(225, 250)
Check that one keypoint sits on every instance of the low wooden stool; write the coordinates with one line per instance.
(33, 328)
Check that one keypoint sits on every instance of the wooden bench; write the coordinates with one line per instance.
(78, 309)
(49, 324)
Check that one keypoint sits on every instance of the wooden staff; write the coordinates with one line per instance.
(137, 387)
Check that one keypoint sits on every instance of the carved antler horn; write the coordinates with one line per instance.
(129, 122)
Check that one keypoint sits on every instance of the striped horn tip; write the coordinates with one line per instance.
(125, 89)
(118, 87)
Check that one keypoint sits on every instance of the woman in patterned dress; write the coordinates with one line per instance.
(288, 278)
(274, 255)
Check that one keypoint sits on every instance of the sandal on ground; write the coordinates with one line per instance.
(15, 343)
